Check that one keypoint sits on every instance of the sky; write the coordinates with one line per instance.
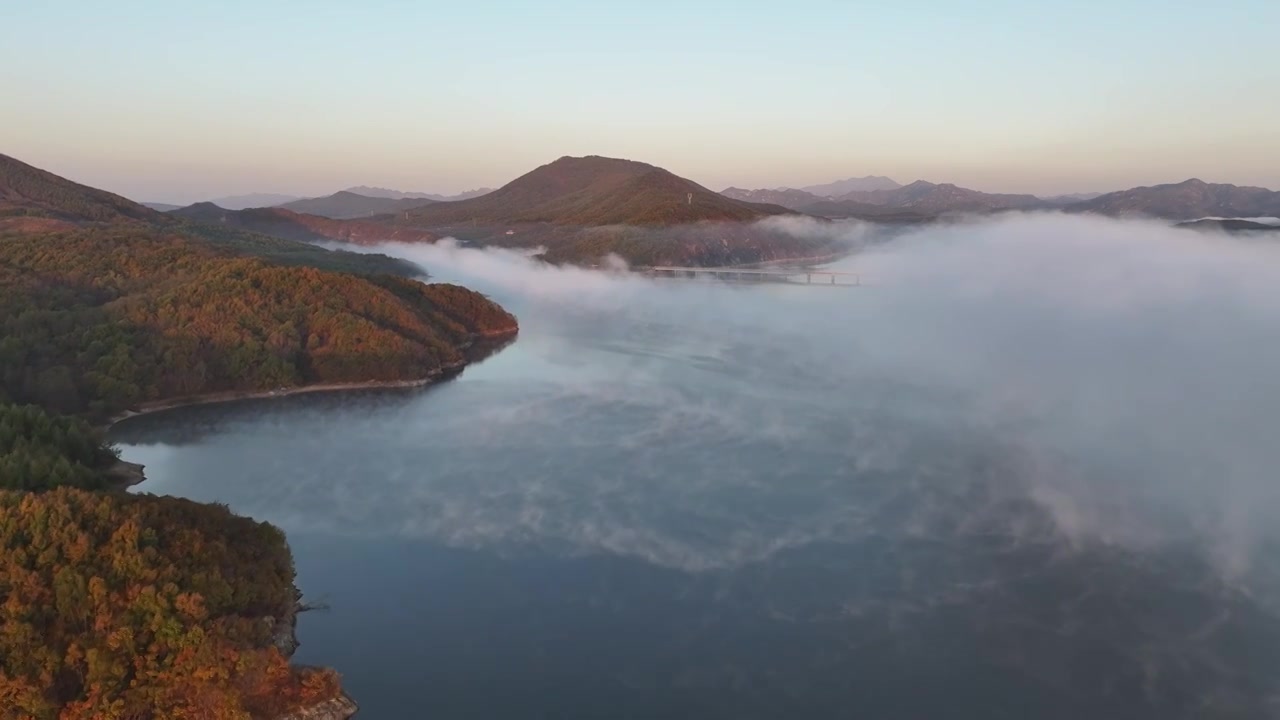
(178, 102)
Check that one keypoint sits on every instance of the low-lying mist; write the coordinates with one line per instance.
(1066, 380)
(1127, 370)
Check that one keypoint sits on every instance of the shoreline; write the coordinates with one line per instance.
(216, 398)
(486, 343)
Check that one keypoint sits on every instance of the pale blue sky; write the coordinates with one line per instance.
(180, 101)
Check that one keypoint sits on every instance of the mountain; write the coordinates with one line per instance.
(346, 204)
(31, 197)
(253, 200)
(281, 223)
(161, 207)
(389, 194)
(582, 209)
(1187, 200)
(938, 198)
(594, 191)
(844, 187)
(786, 197)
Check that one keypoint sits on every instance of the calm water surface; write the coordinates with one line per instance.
(722, 503)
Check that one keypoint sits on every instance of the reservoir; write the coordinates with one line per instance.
(674, 499)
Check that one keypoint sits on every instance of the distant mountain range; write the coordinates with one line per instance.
(786, 197)
(347, 204)
(340, 205)
(253, 200)
(921, 201)
(880, 198)
(840, 188)
(1187, 200)
(378, 192)
(290, 225)
(938, 198)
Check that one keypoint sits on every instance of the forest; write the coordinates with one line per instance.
(123, 607)
(136, 607)
(96, 321)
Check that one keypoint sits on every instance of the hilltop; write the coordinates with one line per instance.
(594, 191)
(583, 208)
(1187, 200)
(346, 205)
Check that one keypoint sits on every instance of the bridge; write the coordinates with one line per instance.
(776, 275)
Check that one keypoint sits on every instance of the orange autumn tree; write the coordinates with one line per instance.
(121, 607)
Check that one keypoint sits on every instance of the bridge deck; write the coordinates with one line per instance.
(824, 277)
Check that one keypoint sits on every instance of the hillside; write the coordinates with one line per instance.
(1188, 200)
(856, 184)
(161, 207)
(784, 197)
(29, 192)
(289, 225)
(938, 198)
(594, 191)
(346, 205)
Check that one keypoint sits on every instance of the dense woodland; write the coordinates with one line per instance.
(97, 321)
(122, 607)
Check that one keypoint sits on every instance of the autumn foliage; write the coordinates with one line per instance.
(98, 321)
(126, 607)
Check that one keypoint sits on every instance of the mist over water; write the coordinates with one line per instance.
(1031, 460)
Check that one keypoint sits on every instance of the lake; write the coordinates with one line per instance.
(925, 497)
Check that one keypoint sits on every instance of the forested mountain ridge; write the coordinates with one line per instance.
(135, 607)
(35, 201)
(97, 321)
